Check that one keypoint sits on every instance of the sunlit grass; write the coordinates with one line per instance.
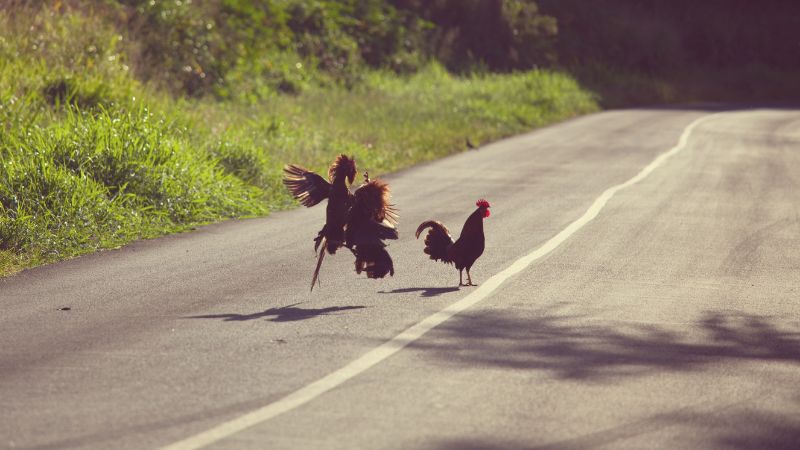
(391, 122)
(97, 180)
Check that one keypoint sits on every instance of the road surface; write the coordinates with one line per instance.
(640, 289)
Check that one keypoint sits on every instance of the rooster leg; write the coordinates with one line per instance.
(469, 279)
(461, 277)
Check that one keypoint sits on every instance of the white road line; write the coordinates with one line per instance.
(378, 354)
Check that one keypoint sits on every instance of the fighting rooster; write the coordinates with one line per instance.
(358, 220)
(464, 251)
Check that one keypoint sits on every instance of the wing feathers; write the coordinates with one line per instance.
(304, 185)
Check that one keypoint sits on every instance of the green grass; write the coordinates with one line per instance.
(390, 122)
(100, 179)
(91, 158)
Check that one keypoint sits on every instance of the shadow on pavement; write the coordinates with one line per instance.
(424, 291)
(283, 314)
(577, 347)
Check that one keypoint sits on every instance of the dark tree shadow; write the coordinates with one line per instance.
(754, 430)
(572, 347)
(577, 347)
(424, 291)
(282, 314)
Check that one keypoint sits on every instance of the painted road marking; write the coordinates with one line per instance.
(389, 348)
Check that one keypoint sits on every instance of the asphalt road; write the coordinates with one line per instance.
(670, 319)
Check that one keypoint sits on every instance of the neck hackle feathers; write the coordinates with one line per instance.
(343, 166)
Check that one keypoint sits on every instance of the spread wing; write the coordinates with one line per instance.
(306, 186)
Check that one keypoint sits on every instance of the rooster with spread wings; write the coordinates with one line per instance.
(358, 220)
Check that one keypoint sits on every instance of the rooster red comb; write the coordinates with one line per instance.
(482, 203)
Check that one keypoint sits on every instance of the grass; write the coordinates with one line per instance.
(390, 122)
(100, 179)
(91, 158)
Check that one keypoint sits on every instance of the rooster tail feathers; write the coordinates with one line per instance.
(374, 260)
(437, 241)
(436, 227)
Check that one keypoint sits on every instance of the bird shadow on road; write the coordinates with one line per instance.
(424, 291)
(287, 313)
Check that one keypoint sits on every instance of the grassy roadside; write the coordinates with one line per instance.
(90, 158)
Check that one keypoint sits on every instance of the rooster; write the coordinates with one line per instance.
(358, 220)
(464, 251)
(371, 219)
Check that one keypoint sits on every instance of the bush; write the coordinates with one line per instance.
(222, 46)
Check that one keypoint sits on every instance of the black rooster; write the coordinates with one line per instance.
(464, 251)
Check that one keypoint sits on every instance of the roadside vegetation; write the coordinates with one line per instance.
(128, 119)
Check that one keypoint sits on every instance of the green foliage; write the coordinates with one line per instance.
(213, 47)
(178, 45)
(224, 47)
